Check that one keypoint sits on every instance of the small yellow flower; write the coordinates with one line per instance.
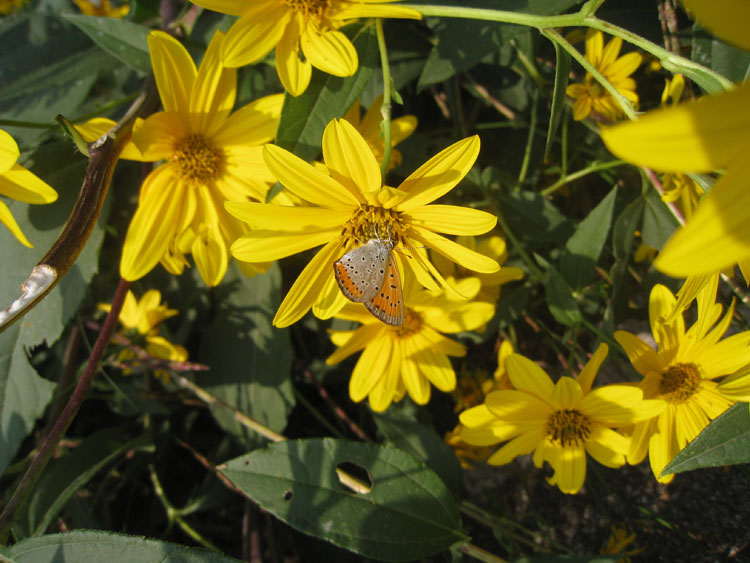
(590, 97)
(710, 134)
(7, 7)
(466, 453)
(560, 423)
(349, 206)
(102, 8)
(304, 32)
(406, 359)
(141, 319)
(18, 183)
(617, 542)
(681, 371)
(211, 155)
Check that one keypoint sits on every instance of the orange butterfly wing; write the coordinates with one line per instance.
(388, 304)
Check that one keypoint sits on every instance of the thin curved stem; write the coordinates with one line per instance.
(385, 108)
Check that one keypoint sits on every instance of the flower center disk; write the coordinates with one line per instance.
(567, 427)
(316, 10)
(371, 222)
(198, 160)
(679, 382)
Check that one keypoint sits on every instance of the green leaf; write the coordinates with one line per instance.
(23, 394)
(713, 53)
(560, 299)
(122, 39)
(562, 73)
(582, 250)
(304, 118)
(726, 441)
(89, 545)
(64, 477)
(408, 514)
(423, 443)
(534, 218)
(658, 221)
(250, 359)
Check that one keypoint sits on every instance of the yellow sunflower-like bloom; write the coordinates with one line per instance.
(590, 97)
(211, 155)
(349, 206)
(710, 134)
(682, 372)
(559, 422)
(102, 8)
(304, 32)
(18, 183)
(143, 318)
(406, 359)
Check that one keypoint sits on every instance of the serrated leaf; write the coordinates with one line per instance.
(303, 118)
(560, 299)
(89, 545)
(726, 441)
(23, 394)
(63, 477)
(658, 221)
(562, 73)
(423, 443)
(578, 261)
(534, 218)
(250, 360)
(408, 514)
(122, 39)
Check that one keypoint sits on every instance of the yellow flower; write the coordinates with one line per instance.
(466, 453)
(591, 97)
(211, 156)
(370, 124)
(560, 423)
(617, 542)
(18, 183)
(304, 32)
(102, 8)
(681, 372)
(351, 206)
(710, 134)
(408, 358)
(493, 247)
(7, 7)
(142, 318)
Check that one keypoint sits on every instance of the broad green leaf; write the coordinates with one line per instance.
(90, 545)
(408, 514)
(423, 443)
(250, 360)
(534, 218)
(562, 72)
(560, 299)
(64, 477)
(658, 221)
(303, 118)
(726, 441)
(23, 394)
(578, 261)
(122, 39)
(713, 53)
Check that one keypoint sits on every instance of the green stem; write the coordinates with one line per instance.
(596, 167)
(529, 141)
(480, 554)
(538, 274)
(385, 108)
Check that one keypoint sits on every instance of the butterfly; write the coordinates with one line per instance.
(368, 274)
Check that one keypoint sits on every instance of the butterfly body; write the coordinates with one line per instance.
(368, 274)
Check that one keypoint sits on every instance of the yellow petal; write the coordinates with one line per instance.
(718, 235)
(214, 89)
(476, 416)
(437, 368)
(607, 446)
(594, 46)
(94, 128)
(257, 32)
(263, 246)
(308, 286)
(8, 151)
(567, 393)
(570, 469)
(349, 159)
(6, 218)
(520, 445)
(174, 71)
(440, 174)
(452, 219)
(641, 355)
(23, 185)
(588, 373)
(278, 217)
(529, 377)
(210, 253)
(371, 368)
(306, 181)
(417, 385)
(330, 51)
(154, 225)
(252, 124)
(459, 254)
(357, 341)
(231, 7)
(294, 71)
(691, 137)
(156, 137)
(725, 18)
